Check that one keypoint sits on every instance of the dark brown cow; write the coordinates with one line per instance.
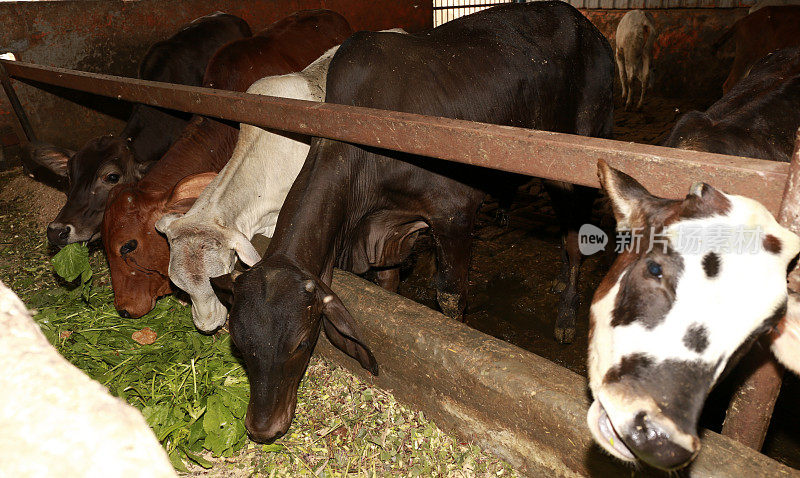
(109, 160)
(758, 118)
(138, 255)
(756, 35)
(537, 65)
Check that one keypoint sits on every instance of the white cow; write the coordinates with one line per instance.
(636, 34)
(56, 421)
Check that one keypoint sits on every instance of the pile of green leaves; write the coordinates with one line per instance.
(193, 391)
(190, 387)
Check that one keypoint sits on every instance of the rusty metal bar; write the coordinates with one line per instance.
(22, 125)
(563, 157)
(750, 411)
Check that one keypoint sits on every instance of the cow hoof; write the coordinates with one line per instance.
(565, 335)
(449, 304)
(557, 286)
(501, 218)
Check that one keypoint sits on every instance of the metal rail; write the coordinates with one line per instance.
(563, 157)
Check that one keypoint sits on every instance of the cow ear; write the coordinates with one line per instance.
(786, 336)
(162, 225)
(627, 196)
(185, 193)
(47, 163)
(140, 168)
(341, 330)
(244, 248)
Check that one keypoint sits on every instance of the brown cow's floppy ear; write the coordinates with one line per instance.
(627, 196)
(185, 193)
(786, 336)
(341, 330)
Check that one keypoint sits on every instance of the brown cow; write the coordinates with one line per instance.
(758, 34)
(137, 255)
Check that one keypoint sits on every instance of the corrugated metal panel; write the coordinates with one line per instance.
(446, 10)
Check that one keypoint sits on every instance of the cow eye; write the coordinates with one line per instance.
(303, 345)
(654, 269)
(111, 178)
(128, 247)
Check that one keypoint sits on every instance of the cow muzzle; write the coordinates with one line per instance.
(270, 429)
(646, 435)
(208, 313)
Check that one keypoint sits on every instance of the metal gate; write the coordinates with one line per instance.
(446, 10)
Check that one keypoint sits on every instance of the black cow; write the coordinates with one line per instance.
(106, 161)
(538, 65)
(758, 118)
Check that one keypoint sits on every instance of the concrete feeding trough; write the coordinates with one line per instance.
(522, 407)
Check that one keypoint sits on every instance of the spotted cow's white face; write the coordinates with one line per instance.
(707, 278)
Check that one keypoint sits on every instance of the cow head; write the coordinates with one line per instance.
(275, 322)
(90, 173)
(138, 256)
(198, 252)
(704, 277)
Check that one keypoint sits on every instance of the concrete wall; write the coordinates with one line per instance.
(112, 36)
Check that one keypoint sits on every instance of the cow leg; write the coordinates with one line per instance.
(453, 247)
(573, 207)
(630, 74)
(644, 78)
(623, 80)
(389, 279)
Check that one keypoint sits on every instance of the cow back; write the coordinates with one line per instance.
(291, 44)
(758, 118)
(180, 59)
(523, 65)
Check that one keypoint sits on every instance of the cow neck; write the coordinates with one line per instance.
(314, 216)
(205, 146)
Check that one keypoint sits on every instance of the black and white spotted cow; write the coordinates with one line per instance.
(707, 279)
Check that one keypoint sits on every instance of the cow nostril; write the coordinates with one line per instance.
(58, 234)
(655, 445)
(124, 314)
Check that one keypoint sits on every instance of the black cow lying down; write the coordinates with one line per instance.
(539, 65)
(106, 161)
(757, 118)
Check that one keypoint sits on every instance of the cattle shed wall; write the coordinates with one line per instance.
(112, 36)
